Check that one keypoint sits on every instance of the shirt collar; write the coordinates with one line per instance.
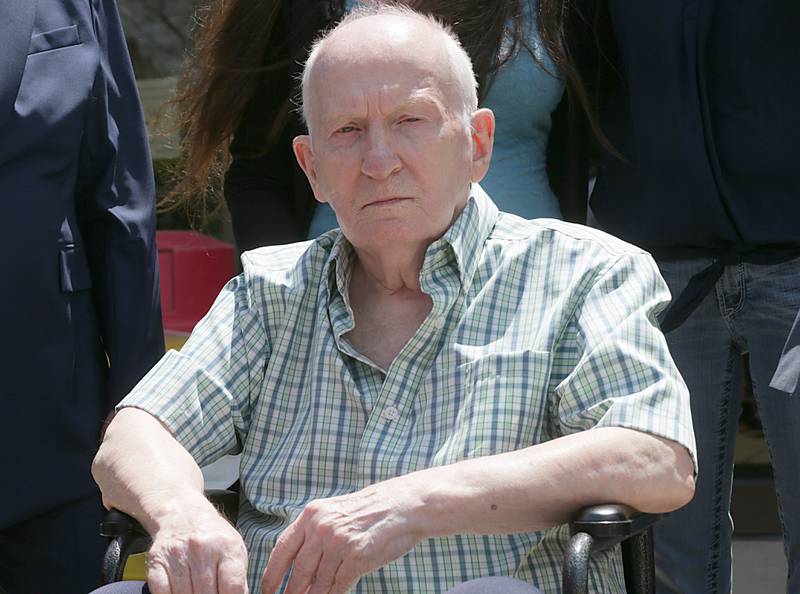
(464, 240)
(338, 266)
(467, 234)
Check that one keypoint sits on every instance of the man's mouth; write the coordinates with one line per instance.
(389, 201)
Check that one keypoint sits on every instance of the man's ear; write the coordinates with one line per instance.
(482, 142)
(305, 158)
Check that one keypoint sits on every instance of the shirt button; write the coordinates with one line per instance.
(390, 413)
(438, 323)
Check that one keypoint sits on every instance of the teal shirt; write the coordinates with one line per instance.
(538, 330)
(522, 97)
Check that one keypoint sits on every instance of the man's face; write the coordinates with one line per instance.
(389, 148)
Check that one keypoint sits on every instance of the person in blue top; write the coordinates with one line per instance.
(237, 103)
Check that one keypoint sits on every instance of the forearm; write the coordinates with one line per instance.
(142, 470)
(542, 486)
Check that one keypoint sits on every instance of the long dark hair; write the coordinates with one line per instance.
(235, 47)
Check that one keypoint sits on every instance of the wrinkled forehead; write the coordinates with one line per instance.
(386, 80)
(376, 52)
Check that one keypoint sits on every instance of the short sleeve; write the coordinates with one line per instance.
(205, 393)
(622, 373)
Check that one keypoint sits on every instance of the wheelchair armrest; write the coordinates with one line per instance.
(600, 527)
(117, 523)
(127, 537)
(609, 524)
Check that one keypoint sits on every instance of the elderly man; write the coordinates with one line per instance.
(423, 397)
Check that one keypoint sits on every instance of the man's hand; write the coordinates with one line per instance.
(201, 554)
(335, 541)
(142, 470)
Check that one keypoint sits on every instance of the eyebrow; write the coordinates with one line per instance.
(418, 98)
(426, 99)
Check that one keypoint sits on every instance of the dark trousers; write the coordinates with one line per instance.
(58, 551)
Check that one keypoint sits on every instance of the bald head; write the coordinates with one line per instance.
(392, 34)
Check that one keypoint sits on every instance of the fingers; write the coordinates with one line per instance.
(203, 578)
(157, 578)
(205, 562)
(334, 541)
(178, 578)
(341, 579)
(314, 568)
(346, 576)
(229, 578)
(326, 573)
(168, 575)
(304, 569)
(282, 556)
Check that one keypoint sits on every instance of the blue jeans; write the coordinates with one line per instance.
(750, 311)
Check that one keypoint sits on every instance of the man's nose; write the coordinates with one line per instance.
(380, 158)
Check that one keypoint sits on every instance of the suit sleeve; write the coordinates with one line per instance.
(116, 204)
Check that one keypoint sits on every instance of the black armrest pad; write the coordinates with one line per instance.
(117, 523)
(600, 527)
(611, 521)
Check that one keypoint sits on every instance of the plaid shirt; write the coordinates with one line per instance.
(539, 329)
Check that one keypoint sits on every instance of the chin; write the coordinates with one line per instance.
(395, 233)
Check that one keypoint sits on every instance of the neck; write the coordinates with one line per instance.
(390, 272)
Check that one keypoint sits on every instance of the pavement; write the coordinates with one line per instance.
(759, 566)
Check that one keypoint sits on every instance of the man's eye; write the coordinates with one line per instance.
(346, 129)
(409, 120)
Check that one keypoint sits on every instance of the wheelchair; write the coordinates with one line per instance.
(594, 528)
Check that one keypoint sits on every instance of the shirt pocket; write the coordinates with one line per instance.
(502, 406)
(54, 39)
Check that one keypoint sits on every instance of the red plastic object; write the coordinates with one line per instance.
(193, 267)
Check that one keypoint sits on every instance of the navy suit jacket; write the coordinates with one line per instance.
(703, 104)
(79, 304)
